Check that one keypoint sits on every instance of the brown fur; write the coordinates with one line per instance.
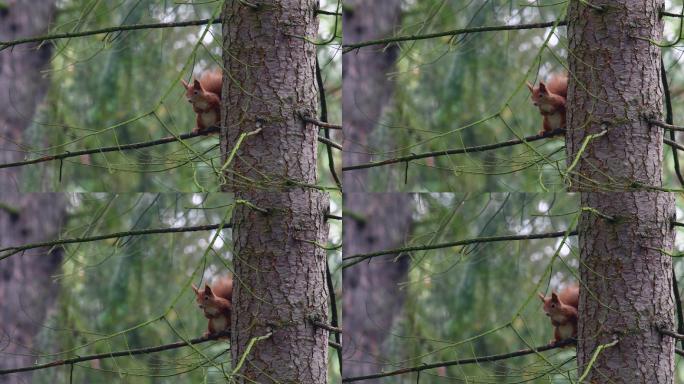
(550, 99)
(205, 96)
(562, 310)
(216, 303)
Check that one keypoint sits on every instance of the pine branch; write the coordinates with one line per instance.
(474, 360)
(329, 142)
(321, 124)
(454, 32)
(119, 28)
(19, 248)
(473, 149)
(126, 147)
(365, 256)
(129, 352)
(129, 27)
(666, 126)
(326, 131)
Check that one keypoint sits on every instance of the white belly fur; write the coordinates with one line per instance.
(209, 118)
(220, 324)
(565, 331)
(554, 120)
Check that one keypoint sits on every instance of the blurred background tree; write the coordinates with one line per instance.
(467, 90)
(123, 87)
(133, 291)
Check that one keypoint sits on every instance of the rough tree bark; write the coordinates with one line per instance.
(366, 89)
(627, 280)
(279, 233)
(26, 289)
(615, 86)
(630, 281)
(372, 299)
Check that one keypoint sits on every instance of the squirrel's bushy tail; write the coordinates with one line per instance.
(223, 287)
(558, 84)
(212, 81)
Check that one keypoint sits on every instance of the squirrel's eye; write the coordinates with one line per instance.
(196, 92)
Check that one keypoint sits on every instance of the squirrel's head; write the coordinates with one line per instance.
(204, 296)
(551, 304)
(194, 91)
(539, 94)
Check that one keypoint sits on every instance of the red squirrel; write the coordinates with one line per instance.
(205, 97)
(550, 98)
(216, 303)
(562, 309)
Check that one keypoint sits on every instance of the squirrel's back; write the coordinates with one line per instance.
(570, 295)
(223, 287)
(558, 84)
(212, 81)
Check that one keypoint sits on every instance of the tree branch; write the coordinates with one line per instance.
(364, 256)
(129, 27)
(16, 249)
(329, 142)
(324, 119)
(350, 47)
(473, 149)
(321, 124)
(474, 360)
(126, 147)
(666, 125)
(119, 28)
(129, 352)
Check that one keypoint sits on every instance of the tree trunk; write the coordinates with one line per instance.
(280, 230)
(627, 291)
(22, 86)
(366, 89)
(281, 286)
(615, 86)
(372, 298)
(26, 288)
(271, 81)
(614, 89)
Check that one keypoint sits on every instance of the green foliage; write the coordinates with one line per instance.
(134, 291)
(481, 299)
(123, 87)
(467, 90)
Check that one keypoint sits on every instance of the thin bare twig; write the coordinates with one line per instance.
(474, 360)
(477, 148)
(19, 248)
(129, 352)
(454, 32)
(364, 256)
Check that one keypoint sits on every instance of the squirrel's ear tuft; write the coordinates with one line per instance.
(542, 297)
(530, 86)
(207, 291)
(554, 297)
(194, 288)
(185, 84)
(197, 85)
(542, 87)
